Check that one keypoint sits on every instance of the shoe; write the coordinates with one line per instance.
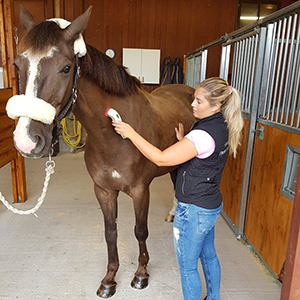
(205, 298)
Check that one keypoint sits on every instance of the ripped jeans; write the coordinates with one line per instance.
(194, 234)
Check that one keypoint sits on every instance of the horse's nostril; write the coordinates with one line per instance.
(41, 134)
(40, 143)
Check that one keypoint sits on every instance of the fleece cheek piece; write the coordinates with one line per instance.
(31, 107)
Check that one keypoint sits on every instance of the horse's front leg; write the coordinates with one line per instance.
(108, 202)
(141, 207)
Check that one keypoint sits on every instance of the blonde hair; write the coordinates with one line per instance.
(218, 91)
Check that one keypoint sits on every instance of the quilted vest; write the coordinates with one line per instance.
(198, 180)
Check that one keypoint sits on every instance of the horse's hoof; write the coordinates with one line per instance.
(139, 283)
(106, 291)
(169, 218)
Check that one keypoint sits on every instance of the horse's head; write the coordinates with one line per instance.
(48, 72)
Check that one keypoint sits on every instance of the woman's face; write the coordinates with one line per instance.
(201, 106)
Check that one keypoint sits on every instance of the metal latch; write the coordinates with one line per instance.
(260, 131)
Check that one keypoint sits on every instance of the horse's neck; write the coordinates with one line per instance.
(93, 101)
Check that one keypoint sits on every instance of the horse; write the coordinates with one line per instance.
(58, 73)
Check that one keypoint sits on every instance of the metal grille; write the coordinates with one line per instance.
(243, 68)
(196, 69)
(280, 102)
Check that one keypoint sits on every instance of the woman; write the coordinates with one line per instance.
(201, 156)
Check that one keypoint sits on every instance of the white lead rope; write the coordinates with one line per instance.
(50, 165)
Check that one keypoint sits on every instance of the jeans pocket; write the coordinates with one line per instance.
(207, 220)
(180, 214)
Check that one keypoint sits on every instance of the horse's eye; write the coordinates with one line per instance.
(66, 69)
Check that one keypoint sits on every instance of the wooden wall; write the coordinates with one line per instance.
(269, 212)
(8, 153)
(174, 26)
(232, 179)
(40, 10)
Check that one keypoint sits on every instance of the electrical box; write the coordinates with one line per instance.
(143, 64)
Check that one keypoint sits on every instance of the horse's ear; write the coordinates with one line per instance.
(26, 19)
(72, 32)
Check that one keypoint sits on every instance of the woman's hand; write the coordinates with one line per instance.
(179, 132)
(123, 129)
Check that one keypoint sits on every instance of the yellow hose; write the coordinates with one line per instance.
(77, 133)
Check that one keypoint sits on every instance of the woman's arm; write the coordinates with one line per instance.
(176, 154)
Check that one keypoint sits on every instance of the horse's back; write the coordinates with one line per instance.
(179, 91)
(173, 103)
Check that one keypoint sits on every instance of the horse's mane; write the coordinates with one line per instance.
(106, 73)
(97, 66)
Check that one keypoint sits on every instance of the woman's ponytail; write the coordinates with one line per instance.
(231, 110)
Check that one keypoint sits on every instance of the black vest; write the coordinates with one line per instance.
(198, 180)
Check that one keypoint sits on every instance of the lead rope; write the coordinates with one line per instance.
(50, 165)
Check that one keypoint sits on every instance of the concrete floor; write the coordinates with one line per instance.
(62, 253)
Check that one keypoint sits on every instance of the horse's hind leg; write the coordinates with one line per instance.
(108, 202)
(171, 214)
(141, 207)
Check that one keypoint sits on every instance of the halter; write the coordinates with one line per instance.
(68, 107)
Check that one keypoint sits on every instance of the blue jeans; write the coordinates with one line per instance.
(194, 235)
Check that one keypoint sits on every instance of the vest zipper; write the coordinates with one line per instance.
(183, 182)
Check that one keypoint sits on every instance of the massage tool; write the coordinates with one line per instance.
(114, 115)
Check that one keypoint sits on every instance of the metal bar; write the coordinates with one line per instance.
(242, 37)
(267, 68)
(278, 71)
(234, 68)
(203, 66)
(226, 70)
(253, 66)
(274, 73)
(298, 101)
(290, 71)
(242, 77)
(197, 70)
(209, 45)
(283, 69)
(266, 71)
(297, 73)
(271, 71)
(222, 73)
(251, 134)
(248, 70)
(238, 82)
(279, 126)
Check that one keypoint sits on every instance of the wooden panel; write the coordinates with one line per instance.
(8, 151)
(40, 10)
(7, 157)
(71, 9)
(269, 212)
(7, 125)
(232, 179)
(175, 27)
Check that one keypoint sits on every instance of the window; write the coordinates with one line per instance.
(289, 180)
(251, 11)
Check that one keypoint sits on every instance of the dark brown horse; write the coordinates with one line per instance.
(48, 64)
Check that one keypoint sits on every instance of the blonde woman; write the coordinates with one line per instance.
(201, 156)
